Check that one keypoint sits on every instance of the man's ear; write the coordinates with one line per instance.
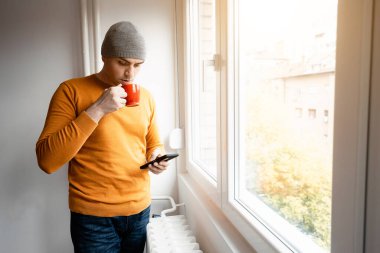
(103, 59)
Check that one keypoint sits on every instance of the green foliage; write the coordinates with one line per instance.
(289, 167)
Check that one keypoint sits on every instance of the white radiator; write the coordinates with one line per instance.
(170, 234)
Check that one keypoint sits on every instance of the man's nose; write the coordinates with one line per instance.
(130, 72)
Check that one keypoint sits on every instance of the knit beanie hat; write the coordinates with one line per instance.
(123, 40)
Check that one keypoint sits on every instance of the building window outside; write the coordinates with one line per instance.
(326, 116)
(312, 113)
(299, 113)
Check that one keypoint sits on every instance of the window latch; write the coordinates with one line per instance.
(215, 62)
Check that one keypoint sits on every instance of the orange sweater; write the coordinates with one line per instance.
(104, 159)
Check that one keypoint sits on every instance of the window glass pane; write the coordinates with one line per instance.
(205, 89)
(286, 59)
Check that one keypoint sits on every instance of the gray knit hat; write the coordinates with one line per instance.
(123, 40)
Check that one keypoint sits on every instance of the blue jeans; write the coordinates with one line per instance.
(92, 234)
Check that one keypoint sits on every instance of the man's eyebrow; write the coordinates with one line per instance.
(123, 59)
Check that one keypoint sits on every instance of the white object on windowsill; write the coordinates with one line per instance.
(176, 139)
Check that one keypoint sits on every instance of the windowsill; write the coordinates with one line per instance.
(240, 231)
(295, 238)
(217, 219)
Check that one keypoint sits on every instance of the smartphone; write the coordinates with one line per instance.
(166, 157)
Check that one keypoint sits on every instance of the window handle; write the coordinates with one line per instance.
(215, 62)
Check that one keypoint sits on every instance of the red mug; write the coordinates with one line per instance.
(133, 91)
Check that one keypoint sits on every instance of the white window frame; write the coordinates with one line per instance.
(350, 131)
(211, 186)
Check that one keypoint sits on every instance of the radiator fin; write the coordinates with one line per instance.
(171, 234)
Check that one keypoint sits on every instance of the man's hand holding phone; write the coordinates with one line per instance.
(158, 163)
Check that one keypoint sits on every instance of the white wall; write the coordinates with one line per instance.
(40, 46)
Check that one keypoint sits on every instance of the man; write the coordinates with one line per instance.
(105, 143)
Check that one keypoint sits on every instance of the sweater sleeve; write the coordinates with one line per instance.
(64, 132)
(153, 137)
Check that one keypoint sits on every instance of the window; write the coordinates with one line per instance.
(205, 87)
(283, 164)
(299, 112)
(284, 168)
(280, 73)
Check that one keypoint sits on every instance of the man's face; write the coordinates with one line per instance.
(121, 70)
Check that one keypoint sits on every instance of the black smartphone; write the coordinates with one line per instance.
(166, 157)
